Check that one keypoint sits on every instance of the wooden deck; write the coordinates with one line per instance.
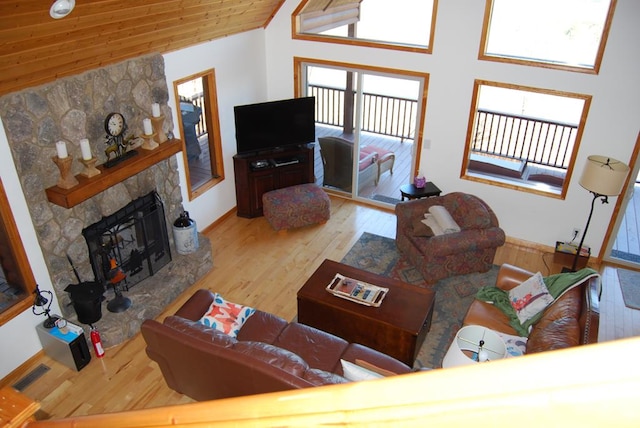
(627, 244)
(389, 184)
(200, 168)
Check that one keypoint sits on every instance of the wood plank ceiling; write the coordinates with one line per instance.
(36, 49)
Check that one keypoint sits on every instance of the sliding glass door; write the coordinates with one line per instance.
(368, 127)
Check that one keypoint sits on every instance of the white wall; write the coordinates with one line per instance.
(239, 62)
(611, 128)
(18, 338)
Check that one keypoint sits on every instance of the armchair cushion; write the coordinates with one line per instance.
(420, 228)
(366, 160)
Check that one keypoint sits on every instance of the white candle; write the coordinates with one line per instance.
(61, 148)
(148, 130)
(155, 109)
(86, 149)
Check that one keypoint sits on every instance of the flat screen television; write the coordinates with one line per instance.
(267, 127)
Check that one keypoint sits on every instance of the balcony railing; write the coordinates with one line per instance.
(524, 138)
(382, 114)
(198, 100)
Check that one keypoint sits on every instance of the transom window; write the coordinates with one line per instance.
(566, 34)
(525, 138)
(399, 24)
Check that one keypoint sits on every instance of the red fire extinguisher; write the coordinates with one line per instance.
(97, 343)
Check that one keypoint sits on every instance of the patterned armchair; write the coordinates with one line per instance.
(436, 257)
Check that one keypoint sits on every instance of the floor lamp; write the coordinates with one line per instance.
(603, 177)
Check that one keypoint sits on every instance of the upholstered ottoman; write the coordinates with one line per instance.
(296, 206)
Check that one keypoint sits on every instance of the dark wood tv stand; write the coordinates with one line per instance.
(257, 174)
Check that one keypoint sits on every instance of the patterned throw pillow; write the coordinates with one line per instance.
(530, 298)
(225, 316)
(516, 345)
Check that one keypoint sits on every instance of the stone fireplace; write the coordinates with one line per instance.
(74, 108)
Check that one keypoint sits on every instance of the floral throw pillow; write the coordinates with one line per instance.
(225, 316)
(530, 298)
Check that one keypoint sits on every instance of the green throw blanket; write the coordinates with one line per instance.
(557, 285)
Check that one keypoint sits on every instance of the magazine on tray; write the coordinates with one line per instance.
(357, 291)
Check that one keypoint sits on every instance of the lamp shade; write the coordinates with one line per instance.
(472, 344)
(604, 175)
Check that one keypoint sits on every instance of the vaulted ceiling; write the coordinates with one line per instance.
(35, 48)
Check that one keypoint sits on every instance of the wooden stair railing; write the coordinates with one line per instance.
(593, 385)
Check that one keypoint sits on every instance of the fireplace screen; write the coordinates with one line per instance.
(131, 244)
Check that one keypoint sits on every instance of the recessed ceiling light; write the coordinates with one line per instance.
(61, 8)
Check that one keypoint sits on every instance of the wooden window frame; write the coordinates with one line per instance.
(15, 255)
(506, 181)
(212, 119)
(296, 34)
(482, 55)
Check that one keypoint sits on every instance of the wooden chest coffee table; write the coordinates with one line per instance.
(397, 328)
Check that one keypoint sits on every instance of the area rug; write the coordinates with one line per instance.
(630, 286)
(379, 255)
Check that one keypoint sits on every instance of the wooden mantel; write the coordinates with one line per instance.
(89, 187)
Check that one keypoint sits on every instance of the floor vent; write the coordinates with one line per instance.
(30, 378)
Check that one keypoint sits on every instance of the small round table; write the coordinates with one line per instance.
(410, 191)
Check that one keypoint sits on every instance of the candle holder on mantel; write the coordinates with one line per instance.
(149, 142)
(66, 180)
(90, 169)
(157, 128)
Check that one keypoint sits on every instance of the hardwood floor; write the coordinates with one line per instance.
(258, 267)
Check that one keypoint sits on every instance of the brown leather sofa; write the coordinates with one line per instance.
(269, 354)
(570, 321)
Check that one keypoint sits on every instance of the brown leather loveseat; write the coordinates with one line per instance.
(269, 354)
(571, 320)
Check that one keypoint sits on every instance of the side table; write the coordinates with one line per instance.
(410, 191)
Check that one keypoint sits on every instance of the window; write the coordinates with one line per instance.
(200, 126)
(16, 279)
(399, 24)
(565, 34)
(525, 138)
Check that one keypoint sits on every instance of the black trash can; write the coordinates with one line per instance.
(87, 300)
